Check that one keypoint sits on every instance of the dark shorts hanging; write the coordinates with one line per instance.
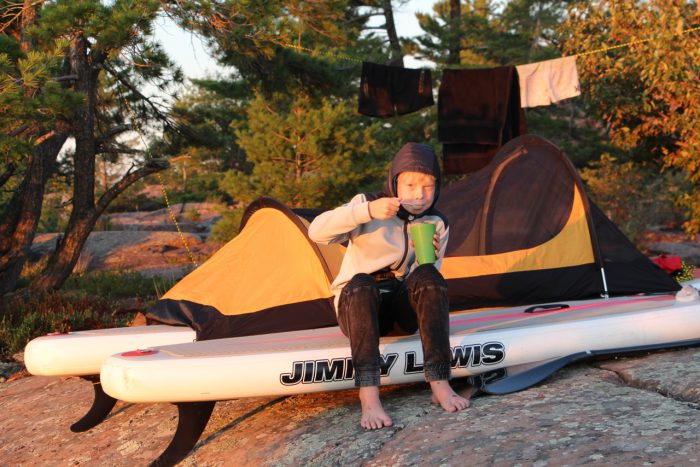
(465, 158)
(478, 112)
(387, 91)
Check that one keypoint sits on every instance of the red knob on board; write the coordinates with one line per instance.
(139, 353)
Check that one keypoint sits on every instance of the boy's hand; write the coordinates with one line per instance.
(384, 208)
(436, 244)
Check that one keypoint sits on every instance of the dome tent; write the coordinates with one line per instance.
(522, 230)
(271, 277)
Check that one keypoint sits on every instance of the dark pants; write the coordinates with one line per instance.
(417, 303)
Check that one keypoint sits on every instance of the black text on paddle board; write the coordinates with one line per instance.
(341, 369)
(464, 356)
(337, 369)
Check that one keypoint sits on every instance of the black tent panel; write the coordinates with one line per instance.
(522, 288)
(209, 323)
(627, 271)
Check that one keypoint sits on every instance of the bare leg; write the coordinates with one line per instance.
(373, 414)
(444, 395)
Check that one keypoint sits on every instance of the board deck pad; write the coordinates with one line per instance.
(319, 360)
(461, 323)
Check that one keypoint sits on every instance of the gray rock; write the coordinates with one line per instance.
(689, 252)
(149, 251)
(634, 411)
(8, 369)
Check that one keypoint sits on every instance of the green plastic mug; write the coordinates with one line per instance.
(422, 236)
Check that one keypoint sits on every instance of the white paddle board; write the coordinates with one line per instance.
(82, 353)
(319, 360)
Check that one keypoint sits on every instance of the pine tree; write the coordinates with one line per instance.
(34, 102)
(304, 152)
(458, 33)
(302, 139)
(106, 58)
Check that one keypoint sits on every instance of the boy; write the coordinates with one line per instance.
(380, 286)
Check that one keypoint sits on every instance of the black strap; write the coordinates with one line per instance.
(553, 306)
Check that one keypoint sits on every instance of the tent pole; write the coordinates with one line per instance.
(605, 293)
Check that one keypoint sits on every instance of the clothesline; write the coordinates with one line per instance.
(342, 56)
(315, 53)
(478, 110)
(631, 43)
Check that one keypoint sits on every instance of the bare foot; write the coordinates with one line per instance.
(444, 395)
(373, 414)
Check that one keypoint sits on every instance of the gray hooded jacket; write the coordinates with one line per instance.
(373, 244)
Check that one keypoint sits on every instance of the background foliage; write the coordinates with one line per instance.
(284, 124)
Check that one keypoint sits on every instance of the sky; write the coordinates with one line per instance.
(190, 52)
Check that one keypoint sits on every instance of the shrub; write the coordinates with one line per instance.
(87, 301)
(28, 315)
(632, 195)
(687, 273)
(138, 202)
(227, 227)
(115, 285)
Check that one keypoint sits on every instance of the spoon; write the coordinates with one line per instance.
(412, 204)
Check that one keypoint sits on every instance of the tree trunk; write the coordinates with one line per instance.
(21, 216)
(455, 48)
(536, 32)
(7, 174)
(66, 255)
(394, 43)
(83, 215)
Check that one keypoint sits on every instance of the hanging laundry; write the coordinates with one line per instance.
(544, 83)
(464, 158)
(478, 112)
(387, 91)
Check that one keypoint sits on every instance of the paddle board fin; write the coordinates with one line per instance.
(192, 419)
(518, 378)
(102, 405)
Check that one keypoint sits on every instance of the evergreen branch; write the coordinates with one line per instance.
(18, 131)
(5, 176)
(281, 159)
(299, 14)
(117, 149)
(152, 166)
(164, 118)
(59, 79)
(269, 108)
(44, 137)
(281, 136)
(21, 81)
(114, 131)
(21, 9)
(364, 17)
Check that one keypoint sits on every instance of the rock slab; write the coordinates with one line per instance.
(632, 411)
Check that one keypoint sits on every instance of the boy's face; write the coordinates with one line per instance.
(416, 191)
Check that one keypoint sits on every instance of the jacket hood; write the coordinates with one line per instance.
(414, 157)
